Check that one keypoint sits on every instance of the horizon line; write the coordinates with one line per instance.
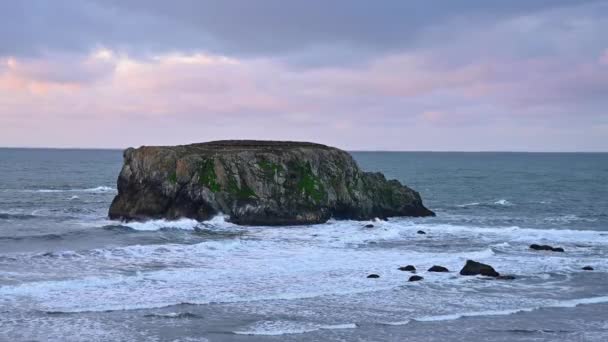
(348, 150)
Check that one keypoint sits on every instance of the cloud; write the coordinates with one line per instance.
(244, 28)
(403, 75)
(604, 58)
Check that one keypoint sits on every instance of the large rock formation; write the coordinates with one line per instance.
(256, 183)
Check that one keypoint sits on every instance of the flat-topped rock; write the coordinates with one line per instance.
(256, 183)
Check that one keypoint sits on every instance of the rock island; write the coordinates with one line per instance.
(256, 183)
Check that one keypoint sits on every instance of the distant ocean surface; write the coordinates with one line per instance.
(67, 273)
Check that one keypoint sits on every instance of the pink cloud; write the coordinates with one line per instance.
(213, 96)
(604, 57)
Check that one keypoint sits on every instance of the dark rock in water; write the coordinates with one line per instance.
(588, 268)
(421, 232)
(256, 183)
(546, 248)
(476, 268)
(409, 268)
(438, 269)
(373, 276)
(369, 226)
(415, 278)
(505, 277)
(541, 247)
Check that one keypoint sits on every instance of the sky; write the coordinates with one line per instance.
(453, 75)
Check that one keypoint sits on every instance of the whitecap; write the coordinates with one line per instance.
(407, 321)
(98, 189)
(569, 218)
(277, 328)
(516, 233)
(557, 304)
(473, 204)
(185, 224)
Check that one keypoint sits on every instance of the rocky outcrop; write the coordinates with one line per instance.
(256, 183)
(415, 278)
(436, 268)
(546, 248)
(408, 268)
(477, 268)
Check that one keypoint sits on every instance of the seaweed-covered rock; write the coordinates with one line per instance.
(256, 183)
(546, 248)
(436, 268)
(415, 278)
(408, 268)
(477, 268)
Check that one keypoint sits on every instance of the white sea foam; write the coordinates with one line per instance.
(396, 322)
(99, 189)
(280, 263)
(473, 204)
(557, 304)
(569, 218)
(228, 270)
(186, 224)
(276, 328)
(516, 234)
(502, 202)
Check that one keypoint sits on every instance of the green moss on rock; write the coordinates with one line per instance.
(270, 168)
(172, 178)
(244, 192)
(309, 184)
(207, 176)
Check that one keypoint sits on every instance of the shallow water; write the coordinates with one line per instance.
(69, 274)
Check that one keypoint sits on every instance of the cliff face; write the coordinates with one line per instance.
(256, 183)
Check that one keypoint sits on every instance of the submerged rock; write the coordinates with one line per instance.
(415, 278)
(477, 268)
(546, 248)
(438, 269)
(505, 277)
(369, 226)
(409, 268)
(587, 268)
(373, 276)
(256, 183)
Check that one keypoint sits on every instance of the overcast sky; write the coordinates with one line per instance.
(471, 75)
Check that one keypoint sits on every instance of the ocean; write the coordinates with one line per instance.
(67, 273)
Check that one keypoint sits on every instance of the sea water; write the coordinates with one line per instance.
(67, 273)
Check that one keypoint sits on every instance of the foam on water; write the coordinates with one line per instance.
(248, 268)
(516, 234)
(556, 304)
(98, 189)
(500, 202)
(186, 224)
(276, 328)
(503, 202)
